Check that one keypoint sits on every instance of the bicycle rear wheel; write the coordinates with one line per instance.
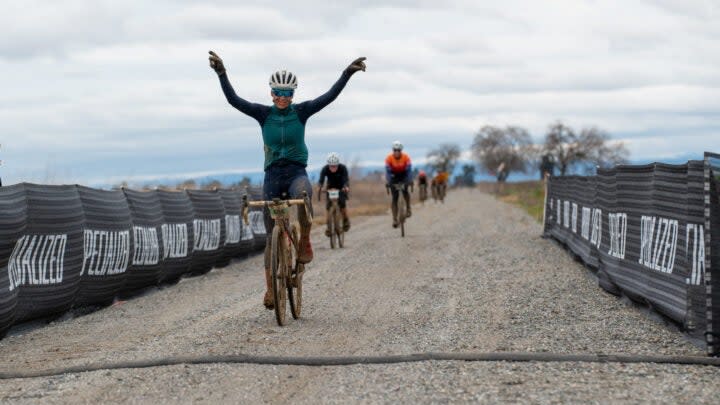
(294, 287)
(278, 264)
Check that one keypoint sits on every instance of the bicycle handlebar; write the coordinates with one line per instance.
(271, 202)
(263, 203)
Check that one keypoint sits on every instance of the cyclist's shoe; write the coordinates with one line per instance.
(409, 213)
(268, 300)
(346, 224)
(327, 232)
(395, 223)
(306, 251)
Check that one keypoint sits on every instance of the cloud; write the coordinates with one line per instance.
(123, 88)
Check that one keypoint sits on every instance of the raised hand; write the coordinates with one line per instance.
(357, 64)
(216, 63)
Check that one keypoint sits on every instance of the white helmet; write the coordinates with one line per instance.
(333, 159)
(397, 145)
(282, 79)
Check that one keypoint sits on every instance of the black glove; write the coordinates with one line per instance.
(216, 63)
(357, 64)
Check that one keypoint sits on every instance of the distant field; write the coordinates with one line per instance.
(530, 195)
(367, 197)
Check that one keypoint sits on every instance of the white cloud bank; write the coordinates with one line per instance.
(95, 89)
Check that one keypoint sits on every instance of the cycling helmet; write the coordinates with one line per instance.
(282, 79)
(422, 173)
(333, 159)
(397, 145)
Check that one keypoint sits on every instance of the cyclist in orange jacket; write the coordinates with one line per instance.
(398, 169)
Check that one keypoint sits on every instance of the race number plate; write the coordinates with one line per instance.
(334, 194)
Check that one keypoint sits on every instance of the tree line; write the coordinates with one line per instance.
(503, 150)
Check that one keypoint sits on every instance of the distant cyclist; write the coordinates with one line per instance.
(440, 183)
(422, 181)
(422, 178)
(398, 170)
(286, 154)
(337, 178)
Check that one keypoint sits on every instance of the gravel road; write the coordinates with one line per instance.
(472, 275)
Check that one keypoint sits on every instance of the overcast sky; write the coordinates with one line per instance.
(98, 91)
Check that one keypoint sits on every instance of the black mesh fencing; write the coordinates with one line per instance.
(177, 234)
(146, 264)
(257, 220)
(46, 262)
(13, 221)
(646, 230)
(107, 243)
(73, 246)
(711, 212)
(232, 242)
(208, 230)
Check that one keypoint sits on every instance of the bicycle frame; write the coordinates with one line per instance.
(334, 219)
(279, 212)
(422, 189)
(284, 242)
(401, 204)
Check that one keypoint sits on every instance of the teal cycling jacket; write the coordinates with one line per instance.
(283, 131)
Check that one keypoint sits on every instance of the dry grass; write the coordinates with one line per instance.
(530, 195)
(367, 197)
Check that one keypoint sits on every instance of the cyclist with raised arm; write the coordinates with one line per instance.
(398, 169)
(286, 154)
(337, 178)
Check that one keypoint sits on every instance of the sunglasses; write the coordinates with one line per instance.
(283, 92)
(397, 150)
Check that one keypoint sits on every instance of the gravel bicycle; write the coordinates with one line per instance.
(287, 272)
(422, 193)
(401, 205)
(439, 191)
(335, 219)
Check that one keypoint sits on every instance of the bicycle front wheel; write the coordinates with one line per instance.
(331, 226)
(339, 228)
(294, 286)
(278, 265)
(401, 214)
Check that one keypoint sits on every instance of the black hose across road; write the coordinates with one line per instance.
(320, 361)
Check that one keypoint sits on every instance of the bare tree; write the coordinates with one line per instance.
(562, 144)
(187, 184)
(586, 150)
(244, 183)
(444, 157)
(212, 185)
(509, 148)
(606, 153)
